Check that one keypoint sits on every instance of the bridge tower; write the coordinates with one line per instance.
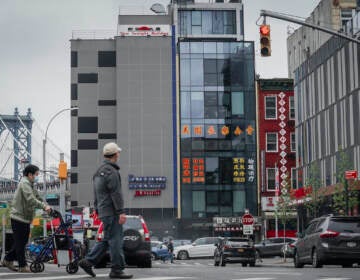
(20, 128)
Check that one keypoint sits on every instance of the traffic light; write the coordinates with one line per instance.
(265, 41)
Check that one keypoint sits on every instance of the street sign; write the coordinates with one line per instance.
(351, 174)
(248, 229)
(247, 219)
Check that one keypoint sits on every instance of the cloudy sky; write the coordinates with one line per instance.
(35, 53)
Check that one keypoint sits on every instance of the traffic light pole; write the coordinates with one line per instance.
(266, 13)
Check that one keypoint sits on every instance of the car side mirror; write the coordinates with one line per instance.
(194, 244)
(216, 244)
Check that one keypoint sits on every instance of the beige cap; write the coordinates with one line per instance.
(111, 149)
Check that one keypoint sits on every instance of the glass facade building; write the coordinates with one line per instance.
(217, 128)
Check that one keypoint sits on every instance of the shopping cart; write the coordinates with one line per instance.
(65, 249)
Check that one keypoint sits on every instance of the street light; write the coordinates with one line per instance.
(44, 154)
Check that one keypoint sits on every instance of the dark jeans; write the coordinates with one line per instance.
(113, 240)
(21, 233)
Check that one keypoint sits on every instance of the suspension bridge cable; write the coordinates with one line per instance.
(6, 137)
(6, 162)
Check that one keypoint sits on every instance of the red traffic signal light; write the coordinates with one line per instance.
(265, 41)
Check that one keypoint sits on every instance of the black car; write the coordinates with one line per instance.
(234, 250)
(329, 240)
(271, 247)
(137, 246)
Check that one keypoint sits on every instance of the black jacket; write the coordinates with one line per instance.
(107, 190)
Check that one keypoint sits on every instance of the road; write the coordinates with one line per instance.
(202, 269)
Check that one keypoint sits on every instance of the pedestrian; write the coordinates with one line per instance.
(22, 211)
(109, 205)
(170, 247)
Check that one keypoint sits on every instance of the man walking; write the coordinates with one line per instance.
(22, 212)
(109, 205)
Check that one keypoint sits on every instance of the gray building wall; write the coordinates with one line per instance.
(133, 106)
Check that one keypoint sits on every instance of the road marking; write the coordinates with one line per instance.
(46, 277)
(334, 278)
(255, 278)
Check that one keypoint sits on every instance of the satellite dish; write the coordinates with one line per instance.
(158, 8)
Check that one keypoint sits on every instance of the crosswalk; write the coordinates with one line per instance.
(47, 276)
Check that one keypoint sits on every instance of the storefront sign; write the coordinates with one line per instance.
(146, 182)
(147, 193)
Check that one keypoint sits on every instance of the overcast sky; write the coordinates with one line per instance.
(35, 53)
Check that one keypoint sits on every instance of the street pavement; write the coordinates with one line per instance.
(201, 269)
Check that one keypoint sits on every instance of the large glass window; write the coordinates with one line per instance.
(207, 22)
(197, 105)
(239, 201)
(211, 170)
(271, 142)
(198, 201)
(270, 107)
(237, 103)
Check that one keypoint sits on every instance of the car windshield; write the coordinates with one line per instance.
(351, 226)
(133, 223)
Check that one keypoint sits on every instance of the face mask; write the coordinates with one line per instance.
(36, 179)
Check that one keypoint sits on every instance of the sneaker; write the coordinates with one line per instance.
(87, 267)
(24, 269)
(120, 275)
(9, 265)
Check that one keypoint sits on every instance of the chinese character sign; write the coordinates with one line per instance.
(198, 170)
(186, 170)
(239, 170)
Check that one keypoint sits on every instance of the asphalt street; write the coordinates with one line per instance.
(201, 269)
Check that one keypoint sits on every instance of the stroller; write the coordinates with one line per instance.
(60, 239)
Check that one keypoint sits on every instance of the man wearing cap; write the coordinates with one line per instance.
(109, 205)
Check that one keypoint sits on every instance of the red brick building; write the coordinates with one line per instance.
(276, 147)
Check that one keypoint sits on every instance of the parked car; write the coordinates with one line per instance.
(180, 242)
(235, 250)
(271, 247)
(329, 240)
(201, 247)
(160, 251)
(137, 247)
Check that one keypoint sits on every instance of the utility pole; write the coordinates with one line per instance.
(266, 13)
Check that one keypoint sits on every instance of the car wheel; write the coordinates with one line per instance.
(146, 263)
(252, 264)
(315, 259)
(347, 265)
(183, 255)
(244, 264)
(297, 262)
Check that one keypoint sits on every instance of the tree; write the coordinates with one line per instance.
(314, 199)
(344, 197)
(283, 205)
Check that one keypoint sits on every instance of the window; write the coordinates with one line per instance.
(293, 141)
(107, 136)
(74, 59)
(105, 102)
(270, 107)
(239, 201)
(74, 178)
(270, 179)
(271, 142)
(293, 178)
(198, 201)
(74, 158)
(107, 58)
(292, 108)
(87, 144)
(74, 92)
(87, 124)
(88, 78)
(197, 105)
(237, 103)
(226, 170)
(211, 170)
